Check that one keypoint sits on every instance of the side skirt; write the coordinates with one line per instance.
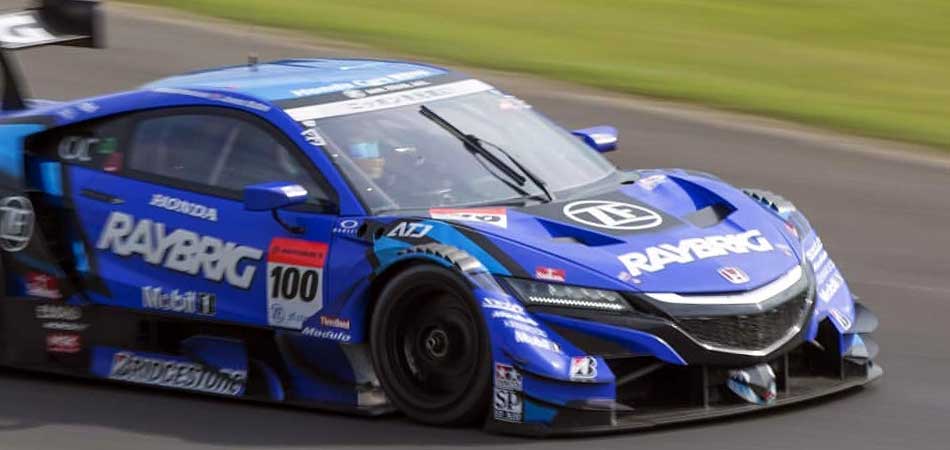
(186, 354)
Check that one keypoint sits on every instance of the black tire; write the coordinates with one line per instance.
(430, 347)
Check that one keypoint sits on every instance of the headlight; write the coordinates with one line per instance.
(535, 293)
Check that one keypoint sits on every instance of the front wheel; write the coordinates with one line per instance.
(430, 347)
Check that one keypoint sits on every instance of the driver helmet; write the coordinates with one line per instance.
(366, 152)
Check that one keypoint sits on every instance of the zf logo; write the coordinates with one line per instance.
(16, 223)
(612, 215)
(76, 148)
(21, 29)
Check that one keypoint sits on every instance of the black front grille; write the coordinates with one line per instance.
(748, 332)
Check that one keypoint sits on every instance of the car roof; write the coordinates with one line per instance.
(298, 78)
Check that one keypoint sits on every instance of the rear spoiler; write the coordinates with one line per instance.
(53, 22)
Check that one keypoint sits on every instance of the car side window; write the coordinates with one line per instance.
(182, 147)
(220, 153)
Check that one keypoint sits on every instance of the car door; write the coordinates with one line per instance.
(168, 233)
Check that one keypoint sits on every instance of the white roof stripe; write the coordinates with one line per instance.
(391, 100)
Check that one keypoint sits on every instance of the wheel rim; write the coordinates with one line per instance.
(433, 347)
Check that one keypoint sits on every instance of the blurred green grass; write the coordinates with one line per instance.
(875, 67)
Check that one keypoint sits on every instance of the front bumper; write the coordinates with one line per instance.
(619, 417)
(650, 390)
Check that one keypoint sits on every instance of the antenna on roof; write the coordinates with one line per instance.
(252, 60)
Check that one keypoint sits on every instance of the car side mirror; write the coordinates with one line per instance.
(273, 196)
(603, 138)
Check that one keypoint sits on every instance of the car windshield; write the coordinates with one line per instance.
(399, 159)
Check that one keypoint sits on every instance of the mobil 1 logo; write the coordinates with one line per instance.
(294, 281)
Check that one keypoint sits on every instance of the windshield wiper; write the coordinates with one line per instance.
(534, 178)
(476, 146)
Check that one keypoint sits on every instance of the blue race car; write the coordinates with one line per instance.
(377, 236)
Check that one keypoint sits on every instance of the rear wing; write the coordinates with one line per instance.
(52, 22)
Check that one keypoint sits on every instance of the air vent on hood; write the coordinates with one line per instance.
(563, 233)
(711, 209)
(710, 215)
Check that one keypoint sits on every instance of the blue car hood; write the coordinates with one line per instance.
(671, 231)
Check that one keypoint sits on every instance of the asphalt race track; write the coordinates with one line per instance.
(884, 220)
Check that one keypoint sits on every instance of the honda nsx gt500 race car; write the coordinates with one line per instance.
(376, 236)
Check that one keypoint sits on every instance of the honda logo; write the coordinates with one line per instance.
(612, 215)
(734, 275)
(16, 223)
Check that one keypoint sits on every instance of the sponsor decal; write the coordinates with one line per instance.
(63, 343)
(336, 87)
(612, 215)
(21, 29)
(334, 322)
(508, 405)
(512, 103)
(113, 162)
(790, 227)
(65, 326)
(533, 340)
(42, 285)
(651, 182)
(814, 250)
(107, 146)
(293, 190)
(828, 290)
(583, 368)
(825, 272)
(369, 83)
(656, 258)
(388, 100)
(67, 113)
(820, 260)
(827, 276)
(353, 93)
(57, 312)
(180, 250)
(507, 400)
(492, 216)
(184, 207)
(841, 318)
(250, 104)
(16, 223)
(550, 274)
(754, 384)
(361, 93)
(332, 335)
(158, 370)
(347, 226)
(312, 136)
(504, 305)
(513, 316)
(412, 230)
(507, 377)
(294, 281)
(733, 275)
(190, 302)
(627, 278)
(76, 148)
(88, 107)
(527, 328)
